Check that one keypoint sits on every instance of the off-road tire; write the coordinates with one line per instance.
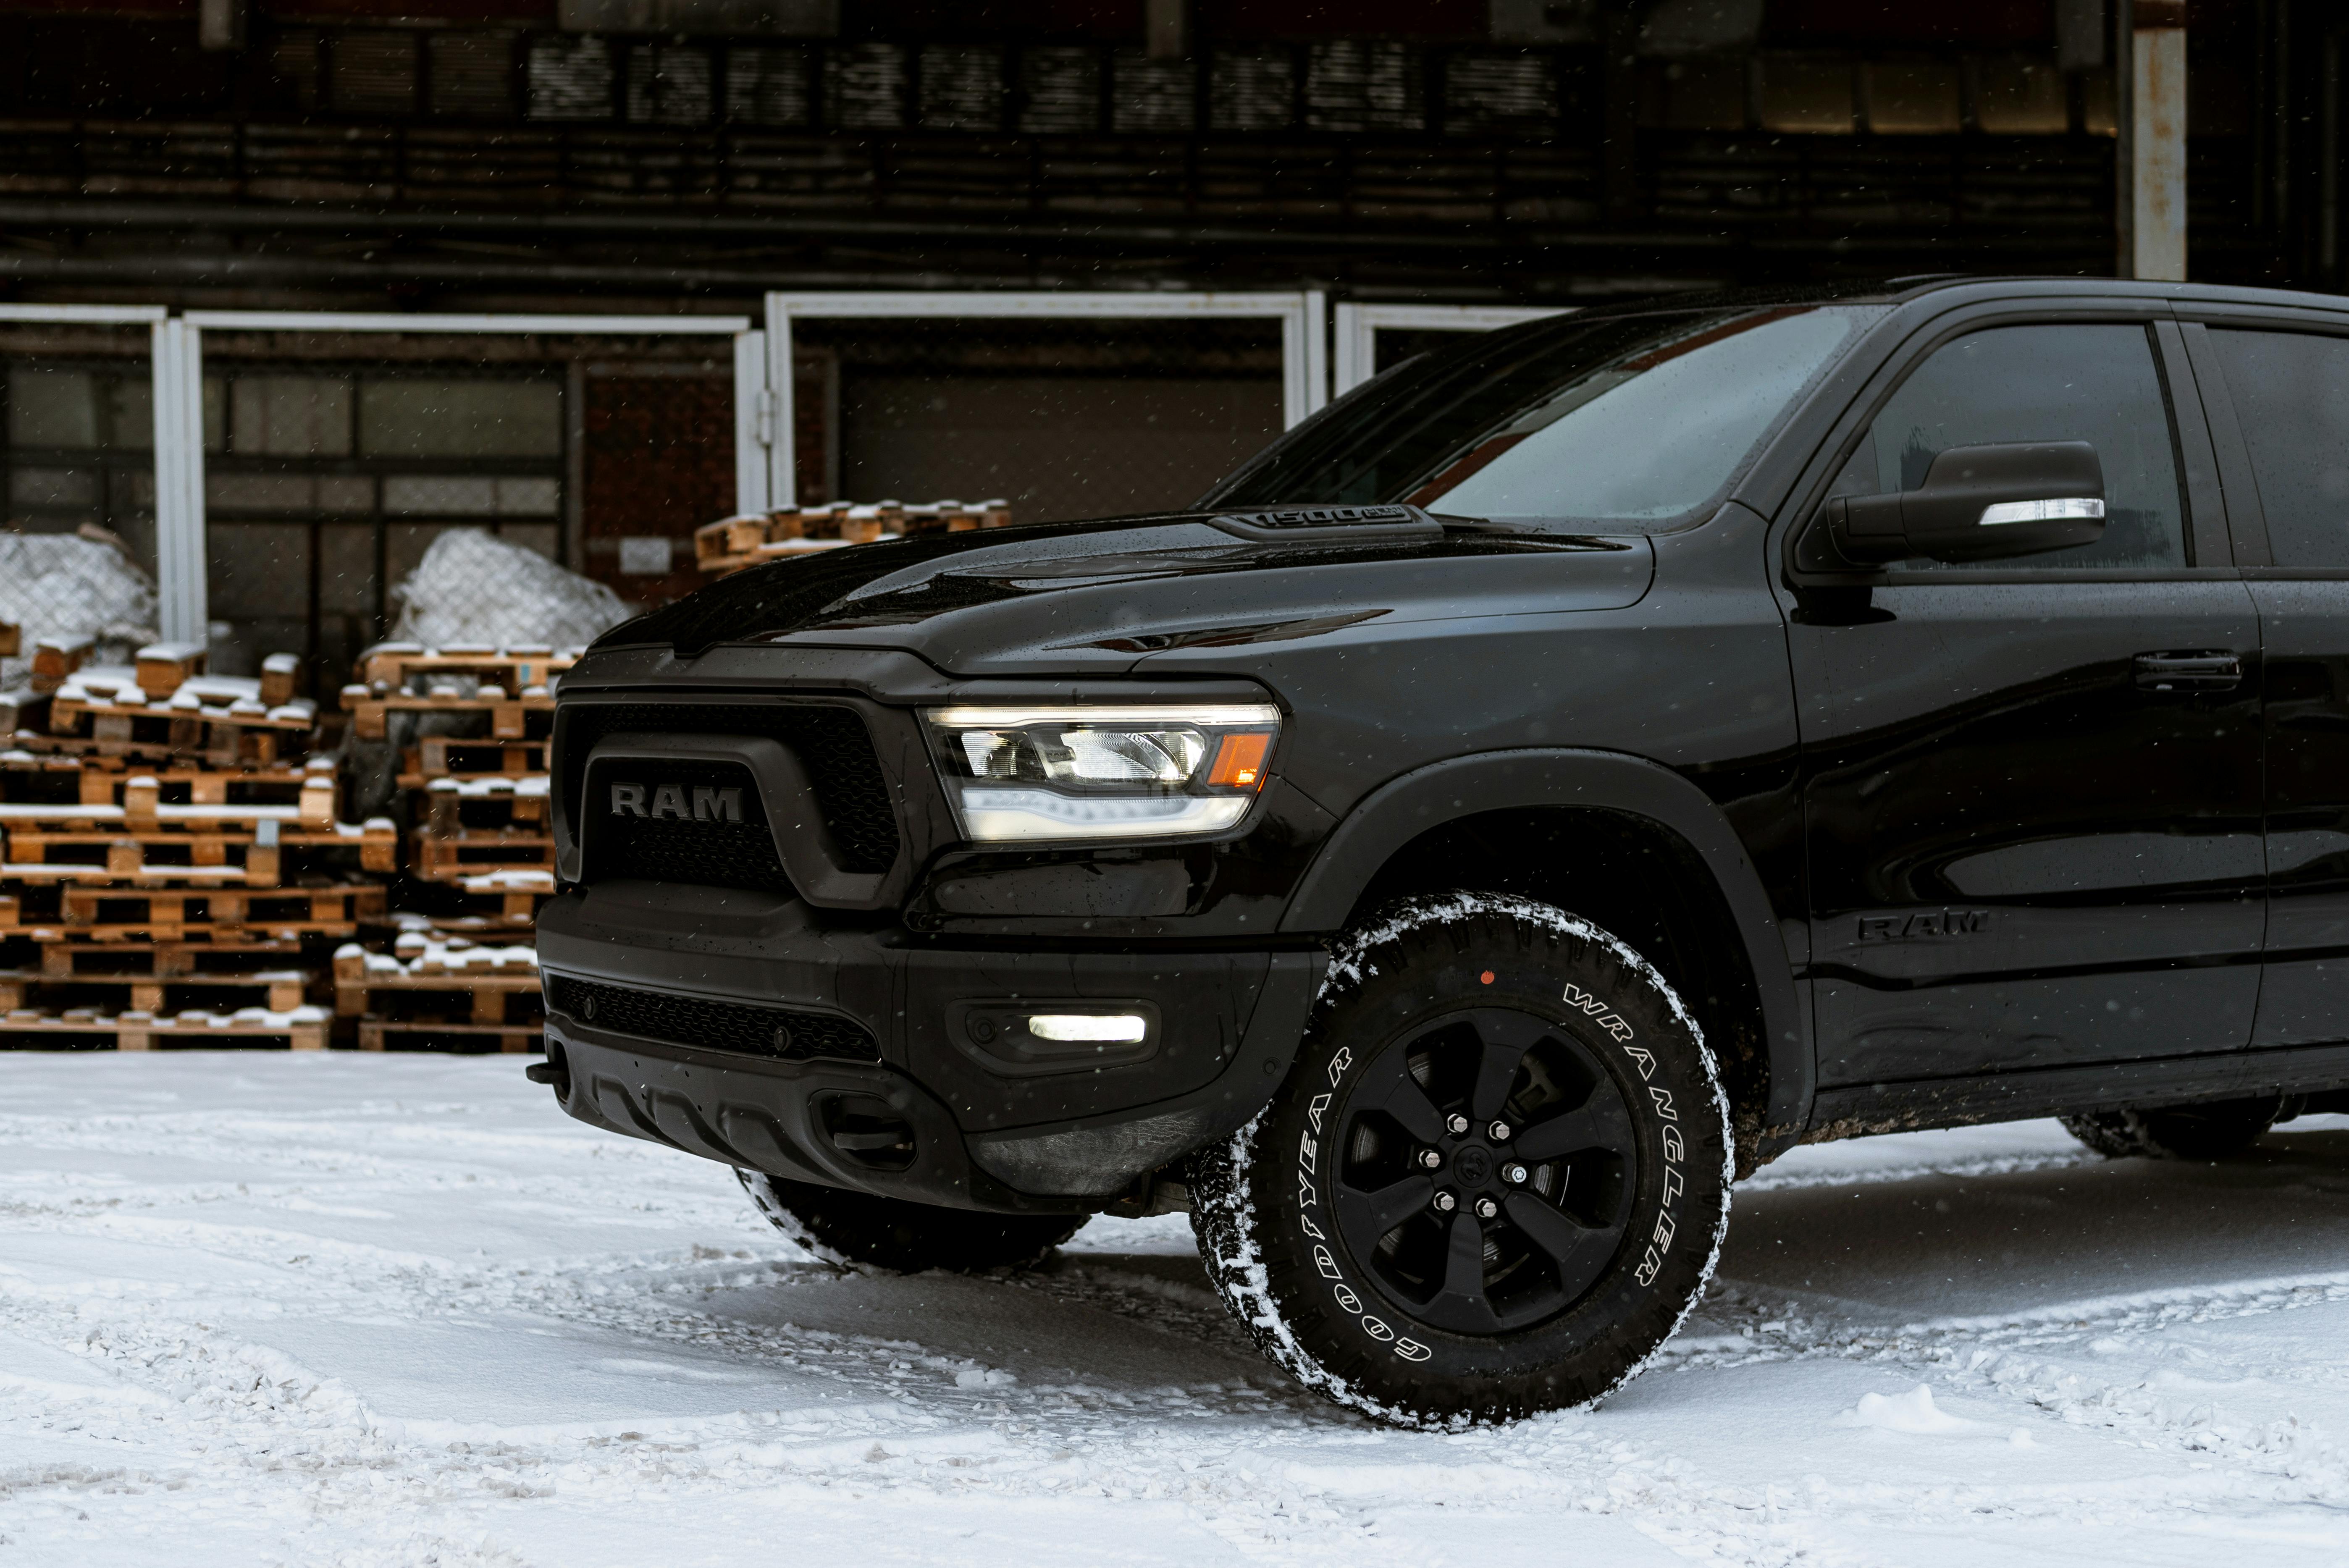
(844, 1227)
(1432, 1324)
(2215, 1130)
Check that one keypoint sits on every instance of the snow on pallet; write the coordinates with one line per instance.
(276, 990)
(222, 717)
(393, 997)
(301, 1029)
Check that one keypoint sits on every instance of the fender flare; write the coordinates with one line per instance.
(1404, 808)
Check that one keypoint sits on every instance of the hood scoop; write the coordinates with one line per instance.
(1327, 522)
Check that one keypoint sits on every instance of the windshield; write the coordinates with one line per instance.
(1610, 424)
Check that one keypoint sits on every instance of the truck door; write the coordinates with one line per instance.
(2281, 413)
(2032, 794)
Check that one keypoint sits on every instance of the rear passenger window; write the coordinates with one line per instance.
(2055, 383)
(2291, 393)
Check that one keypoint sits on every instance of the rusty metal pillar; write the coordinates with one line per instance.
(2156, 143)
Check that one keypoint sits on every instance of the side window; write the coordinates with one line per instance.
(2095, 384)
(2291, 393)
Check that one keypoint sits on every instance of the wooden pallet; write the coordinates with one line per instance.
(276, 990)
(396, 666)
(414, 1033)
(452, 757)
(165, 962)
(301, 1029)
(466, 855)
(745, 539)
(510, 718)
(498, 804)
(147, 859)
(370, 984)
(492, 909)
(123, 915)
(42, 778)
(224, 737)
(138, 802)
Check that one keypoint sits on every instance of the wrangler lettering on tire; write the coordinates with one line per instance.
(1508, 1164)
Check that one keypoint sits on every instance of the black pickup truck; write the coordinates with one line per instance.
(1567, 773)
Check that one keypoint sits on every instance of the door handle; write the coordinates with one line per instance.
(2188, 671)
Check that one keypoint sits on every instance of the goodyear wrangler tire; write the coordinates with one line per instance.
(1494, 1182)
(843, 1227)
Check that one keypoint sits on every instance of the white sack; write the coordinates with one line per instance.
(473, 587)
(63, 587)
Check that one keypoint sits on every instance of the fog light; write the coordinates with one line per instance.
(1116, 1029)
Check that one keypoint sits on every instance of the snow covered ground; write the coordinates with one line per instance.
(398, 1310)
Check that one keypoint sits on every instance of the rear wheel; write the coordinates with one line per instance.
(2211, 1132)
(844, 1227)
(1493, 1184)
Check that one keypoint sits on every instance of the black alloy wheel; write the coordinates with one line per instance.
(1493, 1180)
(1487, 1167)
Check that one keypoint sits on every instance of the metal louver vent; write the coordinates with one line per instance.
(1355, 84)
(570, 78)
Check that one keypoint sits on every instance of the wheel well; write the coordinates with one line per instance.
(1636, 879)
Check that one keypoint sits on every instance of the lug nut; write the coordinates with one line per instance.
(1445, 1202)
(1455, 1124)
(1487, 1208)
(1513, 1174)
(1498, 1132)
(1431, 1158)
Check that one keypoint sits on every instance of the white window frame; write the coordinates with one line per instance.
(180, 558)
(1358, 327)
(1304, 348)
(161, 344)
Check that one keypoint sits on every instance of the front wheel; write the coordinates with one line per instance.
(1494, 1182)
(844, 1227)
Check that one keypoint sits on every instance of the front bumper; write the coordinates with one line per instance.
(962, 1126)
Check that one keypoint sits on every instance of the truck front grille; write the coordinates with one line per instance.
(707, 852)
(831, 742)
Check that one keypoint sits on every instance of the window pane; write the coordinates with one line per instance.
(422, 417)
(440, 495)
(52, 408)
(2093, 383)
(1652, 438)
(291, 416)
(2292, 397)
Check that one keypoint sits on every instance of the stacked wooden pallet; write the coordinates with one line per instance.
(731, 543)
(163, 842)
(443, 991)
(476, 803)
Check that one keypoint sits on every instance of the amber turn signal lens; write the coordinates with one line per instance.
(1239, 761)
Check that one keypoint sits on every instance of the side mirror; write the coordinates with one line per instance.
(1979, 503)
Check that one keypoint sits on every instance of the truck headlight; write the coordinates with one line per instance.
(1026, 774)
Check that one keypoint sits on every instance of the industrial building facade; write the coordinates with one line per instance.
(665, 166)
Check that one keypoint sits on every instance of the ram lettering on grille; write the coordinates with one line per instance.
(669, 801)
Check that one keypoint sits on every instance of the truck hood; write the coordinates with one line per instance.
(1097, 596)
